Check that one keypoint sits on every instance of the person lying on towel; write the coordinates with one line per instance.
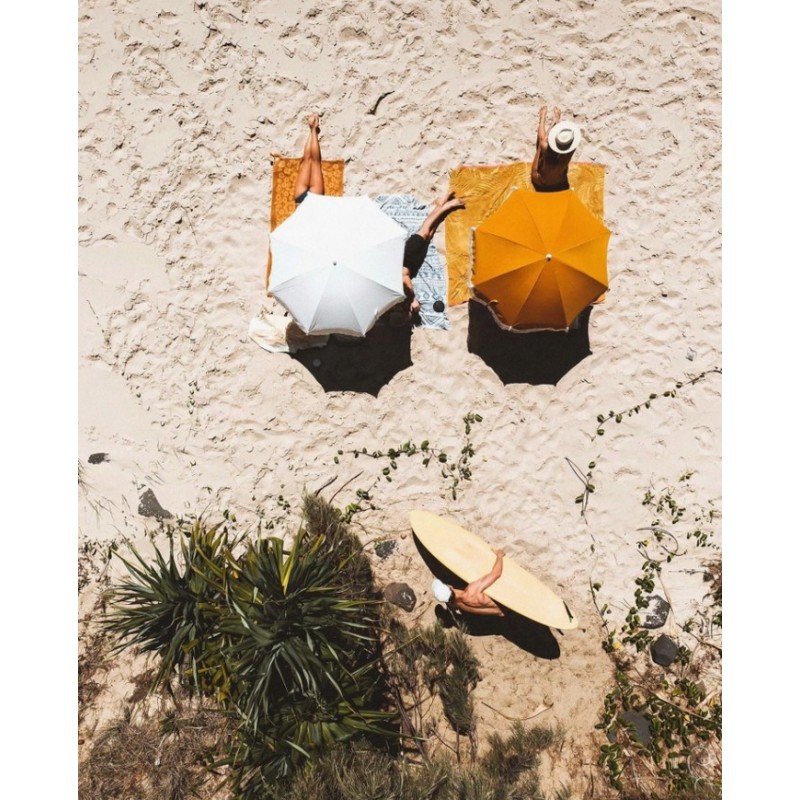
(415, 251)
(311, 180)
(472, 600)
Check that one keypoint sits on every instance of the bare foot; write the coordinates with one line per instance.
(556, 115)
(452, 205)
(448, 203)
(444, 198)
(313, 121)
(444, 205)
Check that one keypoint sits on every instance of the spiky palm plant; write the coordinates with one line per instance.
(171, 607)
(304, 655)
(285, 638)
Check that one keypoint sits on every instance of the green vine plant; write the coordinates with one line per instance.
(453, 469)
(602, 419)
(586, 480)
(275, 519)
(618, 416)
(683, 717)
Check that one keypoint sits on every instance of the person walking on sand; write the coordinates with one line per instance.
(554, 149)
(472, 600)
(416, 249)
(310, 178)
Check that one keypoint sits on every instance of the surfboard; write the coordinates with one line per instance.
(469, 557)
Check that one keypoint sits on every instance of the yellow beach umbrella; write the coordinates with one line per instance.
(540, 260)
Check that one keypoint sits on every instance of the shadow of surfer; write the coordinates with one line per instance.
(477, 614)
(530, 636)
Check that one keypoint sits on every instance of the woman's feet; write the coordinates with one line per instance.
(444, 206)
(448, 203)
(313, 122)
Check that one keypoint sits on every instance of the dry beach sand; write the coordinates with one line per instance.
(181, 106)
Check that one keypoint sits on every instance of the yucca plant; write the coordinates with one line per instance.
(304, 655)
(171, 607)
(284, 638)
(291, 628)
(340, 544)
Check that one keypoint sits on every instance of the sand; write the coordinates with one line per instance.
(179, 113)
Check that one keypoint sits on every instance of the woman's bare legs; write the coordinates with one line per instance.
(310, 176)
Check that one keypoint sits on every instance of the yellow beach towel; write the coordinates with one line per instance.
(284, 178)
(484, 189)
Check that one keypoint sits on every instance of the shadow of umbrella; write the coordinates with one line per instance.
(528, 635)
(359, 364)
(537, 357)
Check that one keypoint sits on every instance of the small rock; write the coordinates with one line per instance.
(663, 292)
(150, 507)
(656, 613)
(98, 458)
(385, 549)
(663, 650)
(691, 354)
(641, 727)
(401, 594)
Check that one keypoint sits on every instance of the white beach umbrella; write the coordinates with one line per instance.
(337, 264)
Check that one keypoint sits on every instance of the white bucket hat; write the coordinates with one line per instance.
(564, 137)
(441, 591)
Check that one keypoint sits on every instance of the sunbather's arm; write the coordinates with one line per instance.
(541, 145)
(487, 580)
(408, 288)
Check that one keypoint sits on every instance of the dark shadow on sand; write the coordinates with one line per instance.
(533, 637)
(352, 364)
(539, 357)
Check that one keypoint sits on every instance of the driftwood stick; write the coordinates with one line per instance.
(540, 710)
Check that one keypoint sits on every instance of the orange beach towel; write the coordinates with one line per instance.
(284, 178)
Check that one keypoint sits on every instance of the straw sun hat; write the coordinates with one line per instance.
(564, 137)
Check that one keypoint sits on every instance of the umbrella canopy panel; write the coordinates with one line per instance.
(540, 260)
(337, 264)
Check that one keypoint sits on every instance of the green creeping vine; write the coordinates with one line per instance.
(455, 470)
(602, 419)
(685, 721)
(586, 479)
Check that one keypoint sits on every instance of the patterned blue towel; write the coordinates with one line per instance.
(430, 285)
